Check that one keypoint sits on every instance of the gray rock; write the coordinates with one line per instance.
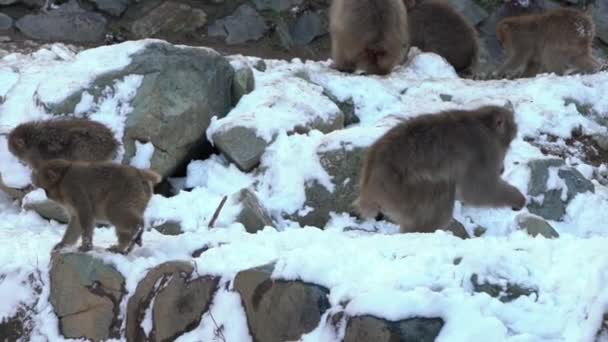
(86, 294)
(253, 215)
(67, 23)
(599, 10)
(112, 7)
(281, 29)
(245, 24)
(242, 146)
(552, 206)
(602, 141)
(457, 229)
(535, 226)
(505, 294)
(169, 17)
(180, 304)
(347, 107)
(277, 310)
(16, 194)
(6, 22)
(181, 90)
(48, 209)
(343, 165)
(372, 329)
(471, 10)
(242, 84)
(276, 5)
(7, 2)
(169, 228)
(308, 27)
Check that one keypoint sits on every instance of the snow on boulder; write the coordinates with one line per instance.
(169, 93)
(291, 104)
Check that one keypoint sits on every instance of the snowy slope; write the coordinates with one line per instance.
(405, 275)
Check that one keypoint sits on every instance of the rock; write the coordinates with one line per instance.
(7, 2)
(178, 302)
(253, 215)
(19, 326)
(281, 29)
(347, 107)
(242, 84)
(245, 24)
(48, 209)
(86, 294)
(599, 10)
(535, 226)
(475, 13)
(6, 22)
(112, 7)
(169, 228)
(479, 231)
(549, 203)
(277, 310)
(457, 229)
(16, 194)
(505, 294)
(446, 97)
(169, 18)
(182, 89)
(67, 23)
(343, 165)
(308, 27)
(275, 5)
(244, 143)
(372, 329)
(601, 140)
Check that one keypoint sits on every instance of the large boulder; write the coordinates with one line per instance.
(278, 310)
(112, 7)
(86, 295)
(6, 22)
(372, 329)
(270, 109)
(244, 25)
(552, 186)
(67, 23)
(182, 88)
(168, 18)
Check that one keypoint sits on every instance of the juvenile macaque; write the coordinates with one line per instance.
(101, 191)
(435, 26)
(370, 35)
(64, 138)
(557, 41)
(415, 172)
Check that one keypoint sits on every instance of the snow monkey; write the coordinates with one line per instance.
(415, 172)
(556, 41)
(67, 138)
(435, 26)
(368, 34)
(102, 191)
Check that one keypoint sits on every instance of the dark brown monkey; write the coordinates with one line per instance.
(415, 172)
(368, 34)
(557, 41)
(435, 26)
(102, 191)
(65, 138)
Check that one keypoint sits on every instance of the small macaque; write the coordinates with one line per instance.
(370, 35)
(72, 139)
(435, 26)
(558, 41)
(415, 172)
(100, 191)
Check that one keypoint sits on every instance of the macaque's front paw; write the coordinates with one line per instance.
(58, 247)
(116, 249)
(519, 202)
(85, 247)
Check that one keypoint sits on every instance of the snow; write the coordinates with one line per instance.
(405, 275)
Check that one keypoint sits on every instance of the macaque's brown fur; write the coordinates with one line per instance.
(64, 138)
(435, 26)
(368, 34)
(415, 172)
(101, 191)
(557, 41)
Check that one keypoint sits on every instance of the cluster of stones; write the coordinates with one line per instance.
(295, 26)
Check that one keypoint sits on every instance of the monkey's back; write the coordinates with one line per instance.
(435, 26)
(72, 139)
(568, 27)
(369, 22)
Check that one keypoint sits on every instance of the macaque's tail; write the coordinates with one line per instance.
(151, 176)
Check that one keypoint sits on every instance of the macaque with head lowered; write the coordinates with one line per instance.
(415, 172)
(368, 34)
(557, 41)
(435, 26)
(103, 191)
(73, 139)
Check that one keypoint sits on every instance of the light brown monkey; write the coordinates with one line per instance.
(415, 172)
(557, 41)
(73, 139)
(435, 26)
(102, 191)
(368, 34)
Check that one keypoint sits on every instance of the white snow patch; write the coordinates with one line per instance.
(143, 155)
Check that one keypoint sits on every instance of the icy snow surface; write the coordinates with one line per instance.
(404, 275)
